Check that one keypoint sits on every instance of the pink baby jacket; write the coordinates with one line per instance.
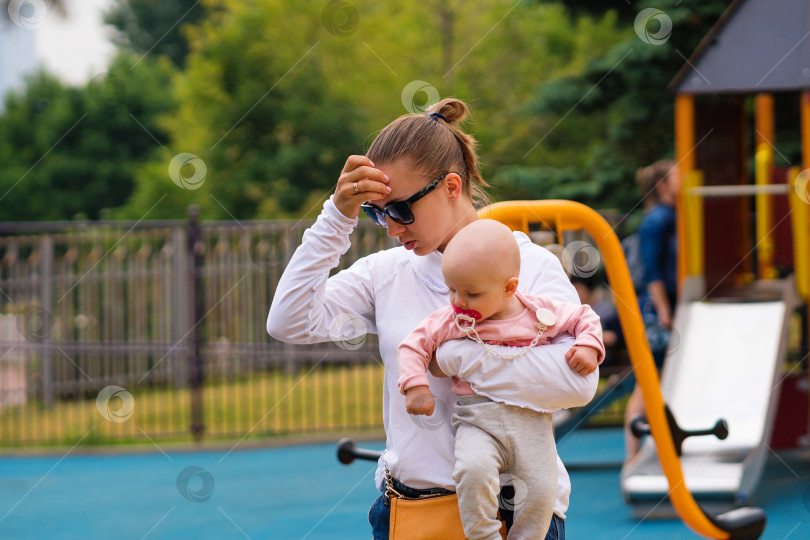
(417, 348)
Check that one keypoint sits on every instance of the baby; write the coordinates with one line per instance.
(481, 265)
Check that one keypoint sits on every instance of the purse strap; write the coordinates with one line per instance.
(390, 492)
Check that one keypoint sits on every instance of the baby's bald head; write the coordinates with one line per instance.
(486, 247)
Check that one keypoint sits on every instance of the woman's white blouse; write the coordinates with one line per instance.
(389, 293)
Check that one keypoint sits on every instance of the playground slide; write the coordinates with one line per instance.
(724, 361)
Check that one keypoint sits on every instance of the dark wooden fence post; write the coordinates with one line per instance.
(196, 248)
(47, 318)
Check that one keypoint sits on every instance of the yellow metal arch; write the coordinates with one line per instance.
(572, 215)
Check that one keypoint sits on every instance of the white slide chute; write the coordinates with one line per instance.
(724, 361)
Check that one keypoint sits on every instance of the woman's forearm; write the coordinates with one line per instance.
(658, 296)
(307, 304)
(540, 379)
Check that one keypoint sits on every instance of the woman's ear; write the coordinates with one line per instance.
(511, 286)
(453, 186)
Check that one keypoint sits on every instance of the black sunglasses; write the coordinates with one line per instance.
(399, 211)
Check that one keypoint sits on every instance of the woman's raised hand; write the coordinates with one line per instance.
(359, 181)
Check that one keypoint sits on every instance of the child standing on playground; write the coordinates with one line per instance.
(496, 435)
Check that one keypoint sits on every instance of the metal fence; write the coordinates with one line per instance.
(116, 332)
(122, 332)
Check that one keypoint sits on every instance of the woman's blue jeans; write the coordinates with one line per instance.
(380, 514)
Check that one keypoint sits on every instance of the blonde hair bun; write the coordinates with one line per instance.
(434, 145)
(453, 110)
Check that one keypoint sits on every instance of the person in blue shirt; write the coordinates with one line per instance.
(660, 185)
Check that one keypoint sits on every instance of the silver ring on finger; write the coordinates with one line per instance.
(356, 189)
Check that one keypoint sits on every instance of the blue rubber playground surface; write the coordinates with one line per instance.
(302, 492)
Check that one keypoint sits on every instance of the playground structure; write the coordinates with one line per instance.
(667, 434)
(742, 267)
(743, 271)
(567, 215)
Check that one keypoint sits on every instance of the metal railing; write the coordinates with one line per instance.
(117, 331)
(121, 332)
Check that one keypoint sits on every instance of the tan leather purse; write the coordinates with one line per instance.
(430, 518)
(434, 518)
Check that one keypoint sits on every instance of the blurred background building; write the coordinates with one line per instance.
(74, 44)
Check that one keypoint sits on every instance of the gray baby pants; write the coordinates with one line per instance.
(502, 444)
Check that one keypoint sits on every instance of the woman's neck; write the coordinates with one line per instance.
(467, 216)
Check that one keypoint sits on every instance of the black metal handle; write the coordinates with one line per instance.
(639, 427)
(745, 523)
(347, 452)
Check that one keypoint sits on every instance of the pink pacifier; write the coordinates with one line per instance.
(467, 312)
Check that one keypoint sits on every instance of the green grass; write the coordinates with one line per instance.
(261, 405)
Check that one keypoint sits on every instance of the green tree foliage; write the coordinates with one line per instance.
(257, 109)
(70, 152)
(155, 26)
(616, 111)
(275, 95)
(249, 108)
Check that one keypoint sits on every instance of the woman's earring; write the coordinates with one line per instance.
(452, 200)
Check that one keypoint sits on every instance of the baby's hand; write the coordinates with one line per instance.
(582, 359)
(419, 400)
